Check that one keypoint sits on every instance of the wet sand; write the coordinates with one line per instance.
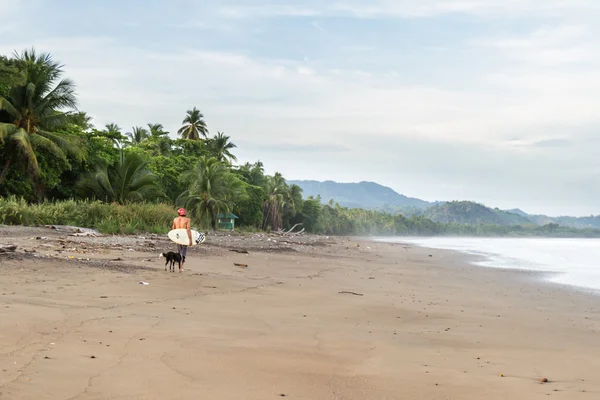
(313, 318)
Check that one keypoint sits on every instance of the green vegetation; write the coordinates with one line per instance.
(468, 212)
(32, 115)
(57, 168)
(106, 217)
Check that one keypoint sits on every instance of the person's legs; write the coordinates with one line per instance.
(182, 251)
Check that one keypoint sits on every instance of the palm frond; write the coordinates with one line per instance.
(61, 97)
(54, 121)
(39, 141)
(127, 181)
(7, 107)
(21, 140)
(7, 131)
(69, 144)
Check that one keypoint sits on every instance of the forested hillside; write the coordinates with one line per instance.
(468, 212)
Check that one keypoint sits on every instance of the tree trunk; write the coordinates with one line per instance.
(38, 188)
(5, 170)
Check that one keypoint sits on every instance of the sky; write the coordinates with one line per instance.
(494, 101)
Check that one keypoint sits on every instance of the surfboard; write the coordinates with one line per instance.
(180, 236)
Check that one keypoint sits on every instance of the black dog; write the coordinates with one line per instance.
(171, 258)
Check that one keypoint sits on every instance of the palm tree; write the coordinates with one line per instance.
(82, 120)
(212, 189)
(129, 180)
(113, 129)
(277, 190)
(294, 199)
(254, 174)
(157, 131)
(138, 135)
(194, 125)
(33, 112)
(113, 132)
(220, 146)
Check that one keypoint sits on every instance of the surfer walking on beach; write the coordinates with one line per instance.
(182, 222)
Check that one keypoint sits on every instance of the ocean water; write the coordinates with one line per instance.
(574, 262)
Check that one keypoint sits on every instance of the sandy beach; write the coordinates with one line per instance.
(308, 318)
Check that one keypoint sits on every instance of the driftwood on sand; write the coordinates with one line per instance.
(352, 293)
(74, 230)
(241, 251)
(7, 248)
(291, 232)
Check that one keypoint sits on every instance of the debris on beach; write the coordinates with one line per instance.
(7, 248)
(84, 234)
(353, 293)
(544, 380)
(241, 265)
(143, 283)
(241, 251)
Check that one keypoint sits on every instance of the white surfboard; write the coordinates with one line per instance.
(180, 236)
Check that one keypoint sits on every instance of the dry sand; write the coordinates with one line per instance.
(313, 318)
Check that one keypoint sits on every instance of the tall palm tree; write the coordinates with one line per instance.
(294, 199)
(113, 132)
(194, 125)
(129, 180)
(33, 112)
(138, 135)
(113, 129)
(212, 189)
(277, 190)
(220, 146)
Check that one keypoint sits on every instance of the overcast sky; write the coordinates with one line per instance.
(495, 101)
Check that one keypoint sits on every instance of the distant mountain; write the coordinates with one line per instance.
(519, 212)
(572, 222)
(578, 222)
(470, 213)
(368, 195)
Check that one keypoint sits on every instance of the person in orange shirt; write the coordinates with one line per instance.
(182, 222)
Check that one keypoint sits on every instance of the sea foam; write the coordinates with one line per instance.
(574, 262)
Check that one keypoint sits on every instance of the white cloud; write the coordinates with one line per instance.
(114, 80)
(6, 6)
(429, 8)
(8, 9)
(404, 8)
(262, 9)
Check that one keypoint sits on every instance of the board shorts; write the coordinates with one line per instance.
(182, 250)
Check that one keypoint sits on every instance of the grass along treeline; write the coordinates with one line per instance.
(110, 218)
(56, 167)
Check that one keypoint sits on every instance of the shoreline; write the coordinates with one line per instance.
(483, 259)
(317, 318)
